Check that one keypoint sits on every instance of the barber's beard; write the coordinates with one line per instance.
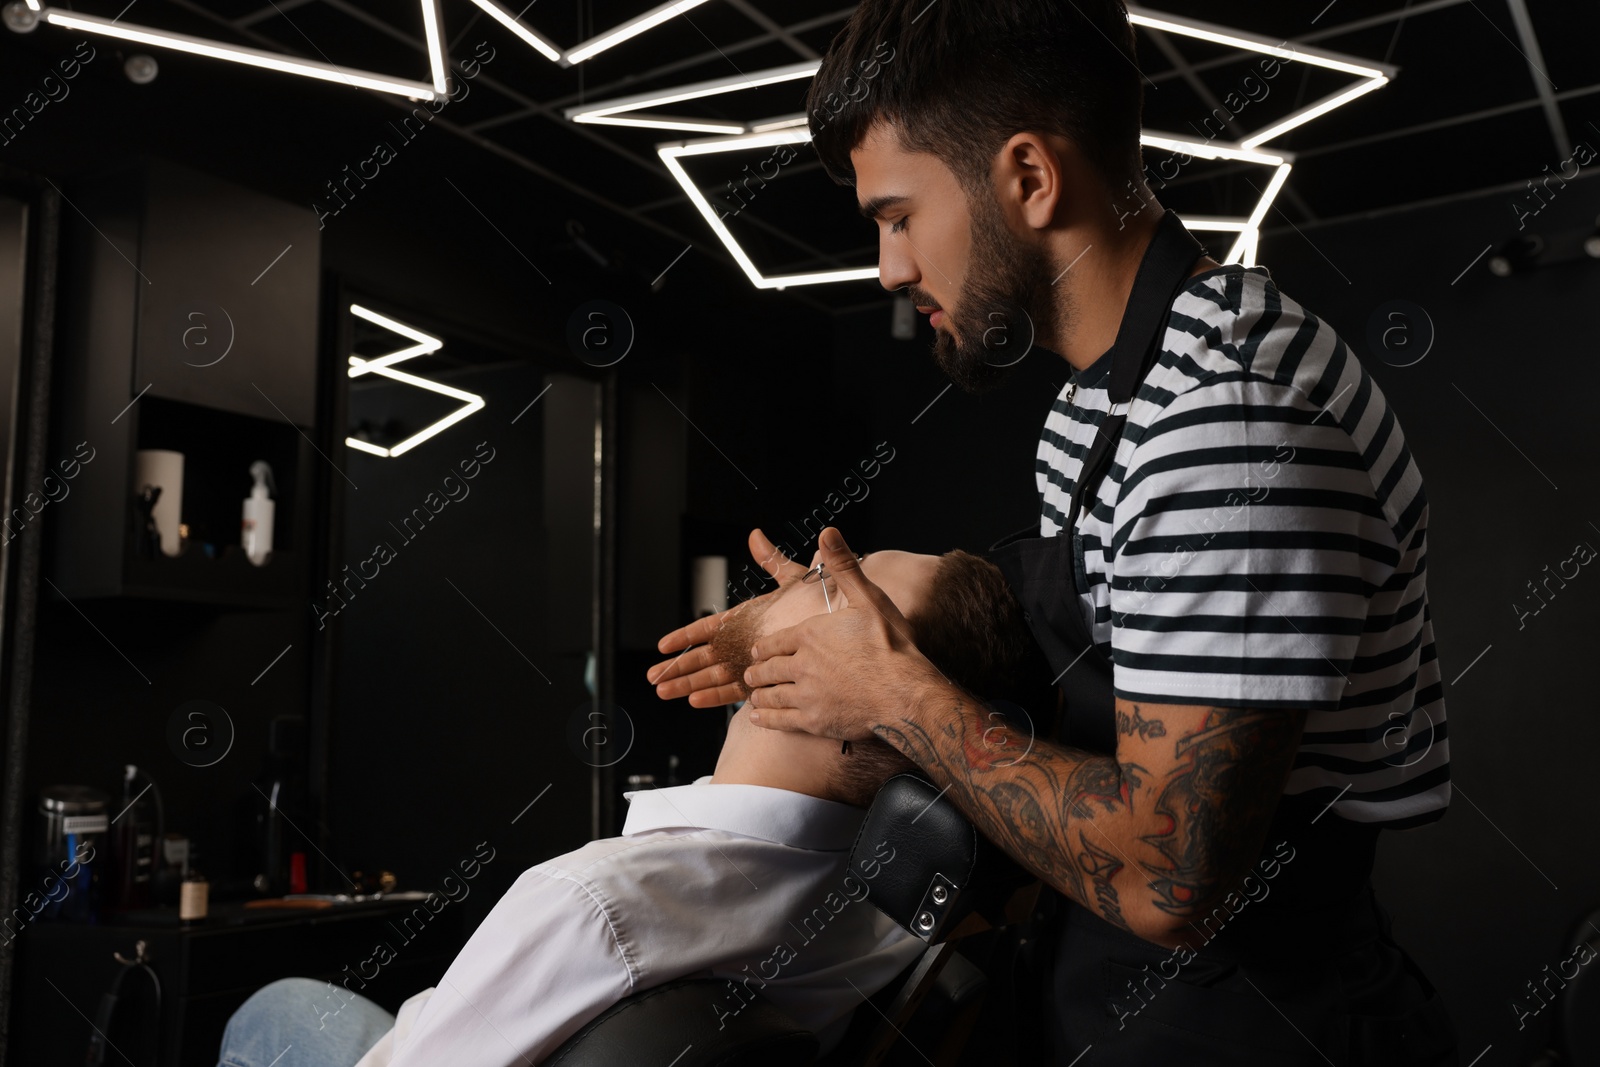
(732, 640)
(1008, 301)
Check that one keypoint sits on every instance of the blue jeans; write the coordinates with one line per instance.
(299, 1022)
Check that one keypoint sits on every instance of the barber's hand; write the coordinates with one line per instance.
(695, 672)
(838, 675)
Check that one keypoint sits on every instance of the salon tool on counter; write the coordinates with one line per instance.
(280, 805)
(72, 839)
(255, 530)
(138, 826)
(164, 468)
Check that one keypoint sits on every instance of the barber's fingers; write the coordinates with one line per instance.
(770, 708)
(780, 643)
(848, 575)
(775, 669)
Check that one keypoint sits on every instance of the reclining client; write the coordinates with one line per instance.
(741, 875)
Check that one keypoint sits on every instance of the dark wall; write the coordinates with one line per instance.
(742, 432)
(961, 475)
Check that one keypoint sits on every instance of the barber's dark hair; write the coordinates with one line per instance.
(957, 78)
(970, 626)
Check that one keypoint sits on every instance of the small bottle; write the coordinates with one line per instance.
(255, 531)
(194, 898)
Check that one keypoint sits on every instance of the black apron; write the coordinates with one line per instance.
(1304, 970)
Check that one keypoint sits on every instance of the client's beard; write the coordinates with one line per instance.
(732, 640)
(1008, 301)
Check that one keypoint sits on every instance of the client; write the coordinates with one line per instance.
(742, 875)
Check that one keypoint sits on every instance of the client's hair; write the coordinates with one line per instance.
(971, 628)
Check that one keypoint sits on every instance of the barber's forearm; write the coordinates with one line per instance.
(1147, 839)
(1062, 813)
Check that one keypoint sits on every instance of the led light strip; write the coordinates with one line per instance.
(1316, 110)
(1243, 249)
(382, 366)
(425, 343)
(332, 72)
(610, 109)
(1210, 149)
(1374, 75)
(670, 154)
(632, 28)
(1250, 42)
(255, 57)
(533, 40)
(662, 122)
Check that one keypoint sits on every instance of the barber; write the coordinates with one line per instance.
(1228, 576)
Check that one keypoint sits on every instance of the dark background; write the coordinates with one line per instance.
(738, 408)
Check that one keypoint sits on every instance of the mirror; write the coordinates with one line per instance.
(460, 602)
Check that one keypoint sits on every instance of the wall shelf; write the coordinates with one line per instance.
(217, 361)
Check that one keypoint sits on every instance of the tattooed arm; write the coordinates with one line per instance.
(1146, 838)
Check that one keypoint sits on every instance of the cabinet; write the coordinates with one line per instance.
(207, 971)
(189, 322)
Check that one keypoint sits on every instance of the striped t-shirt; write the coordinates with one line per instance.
(1260, 540)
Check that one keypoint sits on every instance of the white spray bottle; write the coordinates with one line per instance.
(255, 532)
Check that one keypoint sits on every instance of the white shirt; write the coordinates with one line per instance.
(742, 882)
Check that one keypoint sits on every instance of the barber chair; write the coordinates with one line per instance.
(1577, 1024)
(944, 883)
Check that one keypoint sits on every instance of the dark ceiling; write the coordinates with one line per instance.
(1489, 92)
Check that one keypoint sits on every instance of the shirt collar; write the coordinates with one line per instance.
(1094, 375)
(778, 815)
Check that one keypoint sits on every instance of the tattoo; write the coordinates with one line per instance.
(1101, 868)
(1137, 724)
(1128, 842)
(1206, 837)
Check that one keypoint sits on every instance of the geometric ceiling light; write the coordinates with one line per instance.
(1373, 75)
(793, 129)
(796, 132)
(594, 45)
(256, 57)
(632, 28)
(622, 110)
(1249, 229)
(422, 344)
(362, 79)
(538, 42)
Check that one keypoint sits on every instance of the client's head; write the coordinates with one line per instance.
(962, 617)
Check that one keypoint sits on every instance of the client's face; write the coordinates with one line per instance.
(906, 577)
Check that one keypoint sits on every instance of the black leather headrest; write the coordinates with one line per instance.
(927, 868)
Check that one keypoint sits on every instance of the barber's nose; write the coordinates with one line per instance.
(896, 269)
